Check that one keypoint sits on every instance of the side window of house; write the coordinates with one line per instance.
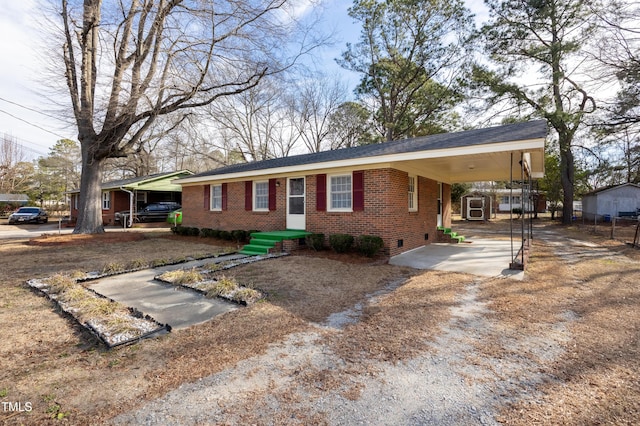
(340, 193)
(106, 200)
(261, 196)
(216, 197)
(413, 194)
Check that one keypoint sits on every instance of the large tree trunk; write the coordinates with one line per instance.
(567, 179)
(90, 202)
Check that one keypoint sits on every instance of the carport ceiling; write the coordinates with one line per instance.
(475, 167)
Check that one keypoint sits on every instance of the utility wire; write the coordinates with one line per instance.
(20, 142)
(32, 124)
(29, 108)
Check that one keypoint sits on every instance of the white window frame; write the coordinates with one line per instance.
(330, 193)
(412, 193)
(75, 201)
(213, 198)
(106, 200)
(255, 196)
(142, 197)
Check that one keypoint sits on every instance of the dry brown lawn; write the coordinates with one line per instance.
(52, 363)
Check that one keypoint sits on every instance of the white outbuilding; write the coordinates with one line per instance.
(614, 201)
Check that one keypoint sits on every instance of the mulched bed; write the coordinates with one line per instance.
(123, 326)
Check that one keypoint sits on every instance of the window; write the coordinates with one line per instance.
(216, 197)
(141, 200)
(340, 193)
(261, 196)
(505, 199)
(106, 200)
(516, 200)
(413, 194)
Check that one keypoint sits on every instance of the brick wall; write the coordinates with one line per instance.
(386, 213)
(195, 213)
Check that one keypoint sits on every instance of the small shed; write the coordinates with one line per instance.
(476, 206)
(612, 201)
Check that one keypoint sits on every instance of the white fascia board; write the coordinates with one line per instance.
(517, 146)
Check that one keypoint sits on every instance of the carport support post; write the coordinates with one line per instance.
(522, 205)
(130, 206)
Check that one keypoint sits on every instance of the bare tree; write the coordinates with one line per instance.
(314, 102)
(128, 63)
(16, 173)
(256, 123)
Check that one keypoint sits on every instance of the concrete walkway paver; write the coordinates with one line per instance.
(167, 304)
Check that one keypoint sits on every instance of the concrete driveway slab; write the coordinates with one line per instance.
(481, 256)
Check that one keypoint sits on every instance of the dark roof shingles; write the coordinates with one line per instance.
(512, 132)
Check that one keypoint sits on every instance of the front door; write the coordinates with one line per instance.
(296, 203)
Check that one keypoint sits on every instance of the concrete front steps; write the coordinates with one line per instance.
(446, 235)
(264, 242)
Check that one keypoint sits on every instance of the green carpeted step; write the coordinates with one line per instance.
(262, 242)
(254, 250)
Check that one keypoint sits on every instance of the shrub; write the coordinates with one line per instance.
(226, 235)
(340, 243)
(206, 232)
(369, 245)
(215, 233)
(239, 235)
(181, 230)
(315, 241)
(193, 231)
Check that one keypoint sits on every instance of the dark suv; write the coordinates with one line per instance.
(150, 212)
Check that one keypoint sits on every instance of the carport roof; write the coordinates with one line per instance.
(473, 155)
(13, 198)
(154, 182)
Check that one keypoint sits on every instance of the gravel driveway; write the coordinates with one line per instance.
(301, 381)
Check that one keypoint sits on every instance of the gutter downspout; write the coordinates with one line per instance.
(130, 205)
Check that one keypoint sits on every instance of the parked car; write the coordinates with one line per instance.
(150, 212)
(29, 215)
(175, 217)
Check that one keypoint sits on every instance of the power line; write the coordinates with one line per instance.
(32, 124)
(29, 108)
(21, 142)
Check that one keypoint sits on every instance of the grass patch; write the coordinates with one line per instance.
(182, 276)
(222, 287)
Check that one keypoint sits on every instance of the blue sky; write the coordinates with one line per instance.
(20, 64)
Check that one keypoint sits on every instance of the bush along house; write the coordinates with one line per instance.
(399, 191)
(120, 195)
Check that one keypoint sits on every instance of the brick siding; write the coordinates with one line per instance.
(385, 214)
